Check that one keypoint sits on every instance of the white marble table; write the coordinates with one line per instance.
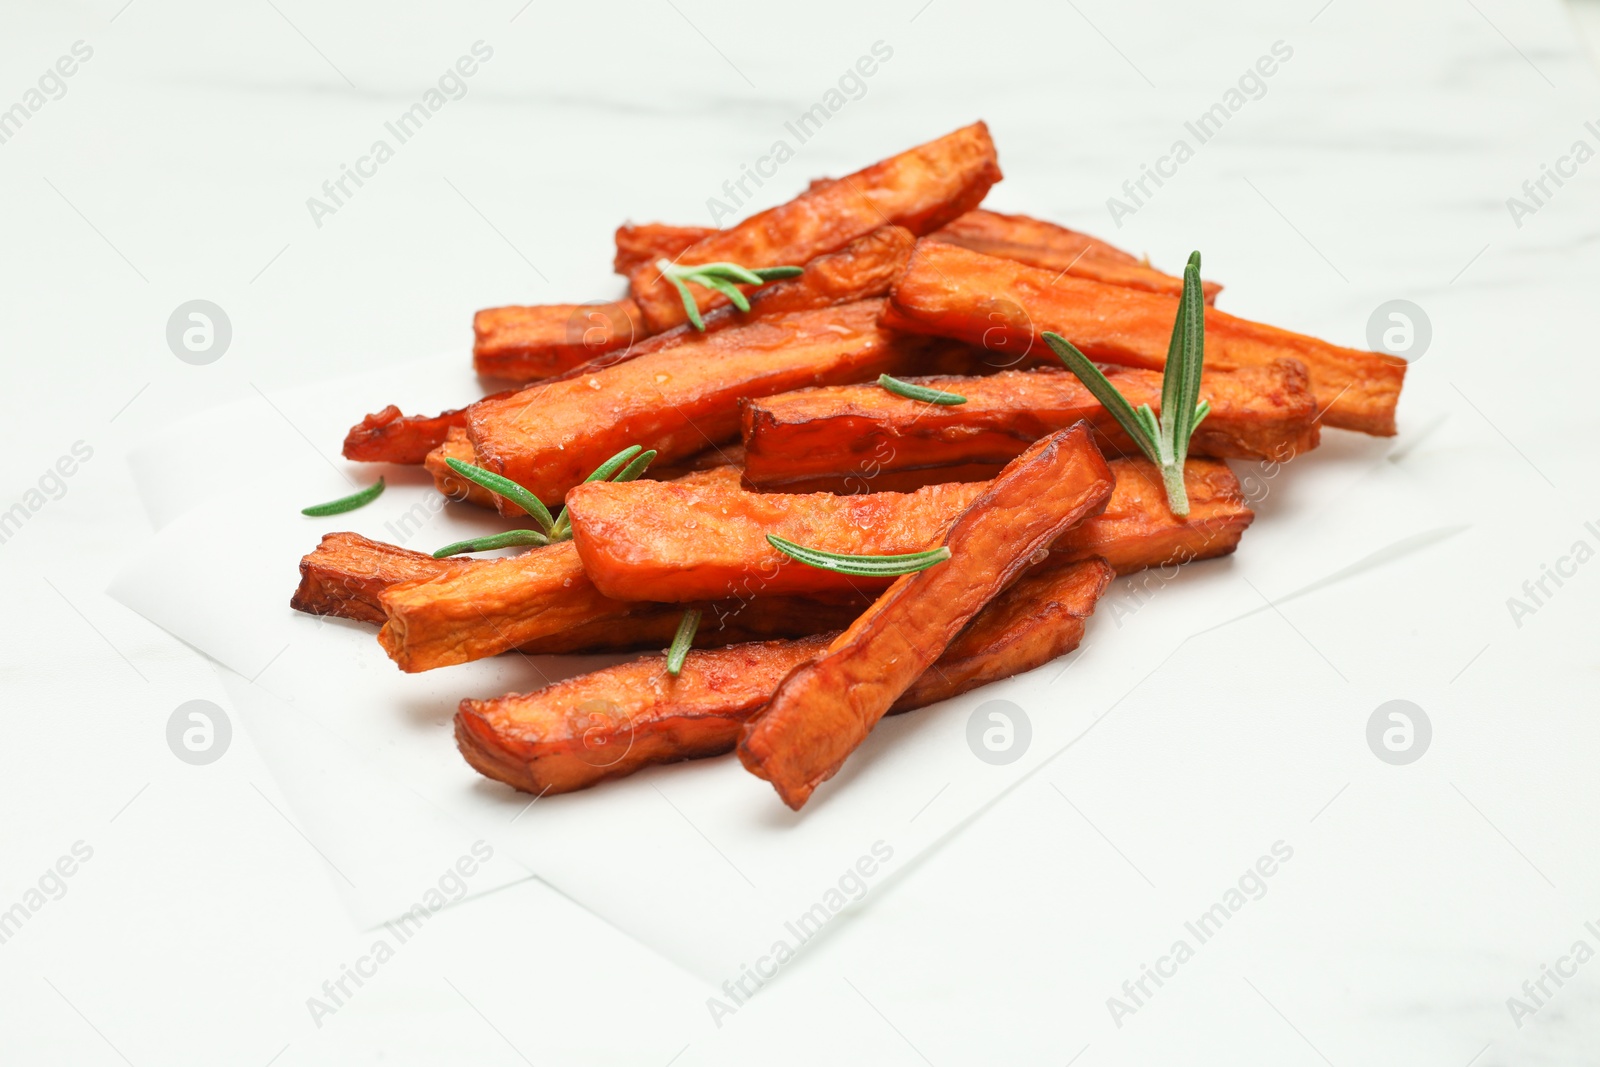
(176, 162)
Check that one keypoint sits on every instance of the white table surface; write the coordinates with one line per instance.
(176, 165)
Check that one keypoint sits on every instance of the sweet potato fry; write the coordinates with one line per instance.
(686, 542)
(1040, 617)
(345, 573)
(921, 189)
(526, 343)
(450, 484)
(501, 604)
(612, 722)
(1006, 306)
(638, 245)
(456, 446)
(388, 436)
(678, 401)
(1137, 529)
(864, 268)
(675, 542)
(722, 622)
(484, 607)
(825, 709)
(846, 435)
(712, 459)
(464, 615)
(1060, 251)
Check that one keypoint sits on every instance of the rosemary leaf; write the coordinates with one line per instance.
(614, 464)
(861, 566)
(355, 500)
(682, 641)
(912, 391)
(690, 306)
(508, 489)
(562, 530)
(509, 539)
(1164, 440)
(635, 468)
(729, 290)
(730, 271)
(1102, 389)
(724, 278)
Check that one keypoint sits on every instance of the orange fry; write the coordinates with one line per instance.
(1059, 250)
(825, 709)
(1007, 306)
(920, 189)
(844, 437)
(612, 722)
(681, 400)
(706, 541)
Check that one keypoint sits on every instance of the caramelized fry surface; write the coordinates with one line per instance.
(863, 269)
(484, 607)
(388, 436)
(1137, 529)
(642, 243)
(527, 343)
(825, 709)
(722, 622)
(678, 401)
(674, 542)
(529, 602)
(1007, 306)
(345, 573)
(489, 607)
(849, 434)
(456, 446)
(920, 189)
(612, 722)
(1060, 250)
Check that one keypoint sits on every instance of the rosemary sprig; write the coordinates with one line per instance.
(721, 278)
(509, 539)
(636, 467)
(625, 466)
(861, 566)
(360, 498)
(509, 489)
(682, 641)
(1165, 440)
(919, 392)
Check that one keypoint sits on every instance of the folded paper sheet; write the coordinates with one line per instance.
(699, 860)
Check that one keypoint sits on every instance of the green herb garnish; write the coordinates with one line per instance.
(355, 500)
(509, 539)
(509, 489)
(625, 466)
(919, 392)
(1166, 440)
(636, 467)
(682, 640)
(721, 278)
(861, 566)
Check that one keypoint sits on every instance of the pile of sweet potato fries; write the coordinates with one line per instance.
(770, 425)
